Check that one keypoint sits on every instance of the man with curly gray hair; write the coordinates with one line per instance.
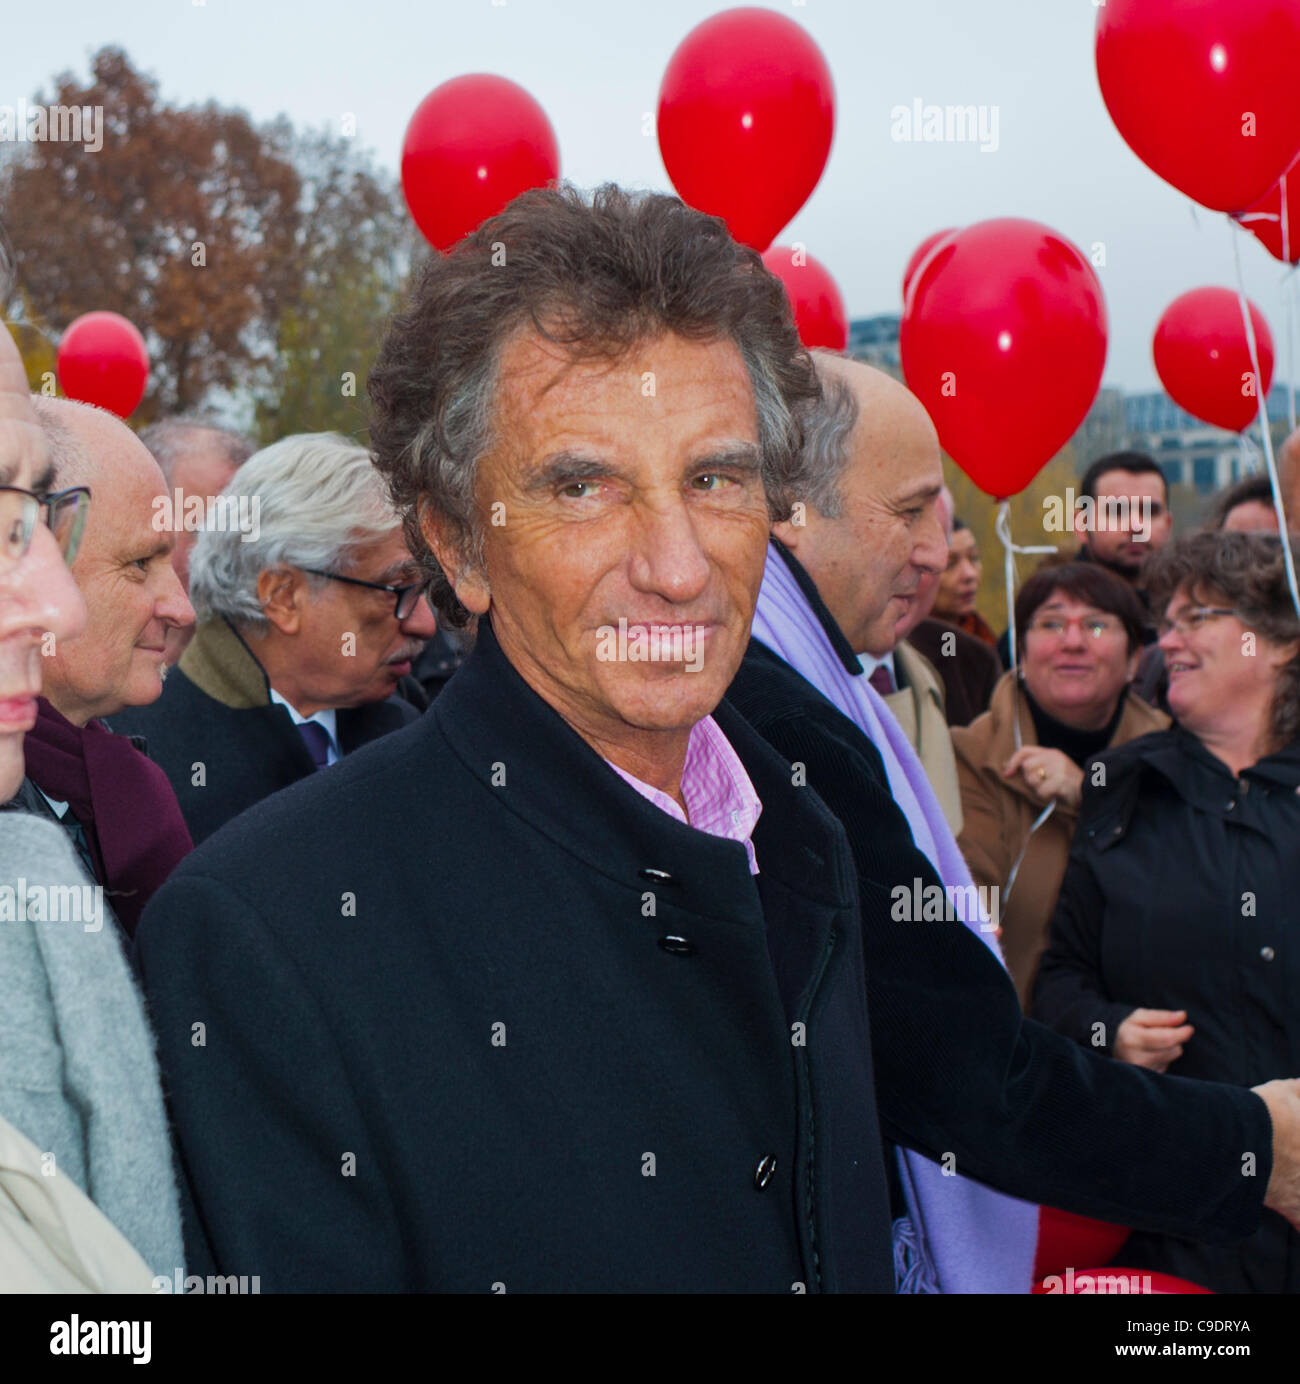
(311, 612)
(562, 988)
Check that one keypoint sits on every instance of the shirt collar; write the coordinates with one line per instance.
(720, 796)
(870, 663)
(326, 718)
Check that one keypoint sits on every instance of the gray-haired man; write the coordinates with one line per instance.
(311, 613)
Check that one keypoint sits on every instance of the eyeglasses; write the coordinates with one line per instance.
(406, 597)
(1094, 626)
(1191, 619)
(64, 512)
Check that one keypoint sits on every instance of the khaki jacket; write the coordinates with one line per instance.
(1000, 812)
(53, 1238)
(918, 707)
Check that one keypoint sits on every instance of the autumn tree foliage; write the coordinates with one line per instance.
(258, 261)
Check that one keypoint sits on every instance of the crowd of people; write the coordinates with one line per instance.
(421, 944)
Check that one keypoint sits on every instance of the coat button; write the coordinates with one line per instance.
(1230, 804)
(678, 946)
(766, 1168)
(657, 876)
(1267, 953)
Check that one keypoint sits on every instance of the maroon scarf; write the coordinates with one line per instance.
(126, 807)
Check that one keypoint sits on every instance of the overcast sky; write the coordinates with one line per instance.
(595, 66)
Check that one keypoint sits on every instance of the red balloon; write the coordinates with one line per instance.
(746, 115)
(818, 308)
(1064, 1239)
(473, 145)
(919, 254)
(1275, 212)
(1104, 1280)
(1204, 91)
(1003, 339)
(1203, 361)
(103, 360)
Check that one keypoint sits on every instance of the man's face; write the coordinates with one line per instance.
(349, 648)
(124, 572)
(1119, 544)
(869, 564)
(201, 470)
(626, 492)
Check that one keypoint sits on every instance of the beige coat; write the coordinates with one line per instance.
(999, 813)
(53, 1238)
(919, 708)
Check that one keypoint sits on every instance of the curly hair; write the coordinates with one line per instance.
(597, 277)
(1246, 571)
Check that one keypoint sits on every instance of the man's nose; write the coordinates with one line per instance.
(173, 606)
(667, 558)
(49, 597)
(421, 623)
(931, 551)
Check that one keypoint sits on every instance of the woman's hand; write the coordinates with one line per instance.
(1049, 774)
(1152, 1038)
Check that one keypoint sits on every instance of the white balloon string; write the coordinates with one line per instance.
(1288, 302)
(1010, 548)
(1275, 484)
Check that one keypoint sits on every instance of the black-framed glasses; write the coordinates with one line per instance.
(1191, 619)
(406, 598)
(64, 512)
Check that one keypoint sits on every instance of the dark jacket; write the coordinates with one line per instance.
(1180, 893)
(969, 667)
(958, 1068)
(475, 1012)
(221, 740)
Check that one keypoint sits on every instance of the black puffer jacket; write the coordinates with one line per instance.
(1183, 892)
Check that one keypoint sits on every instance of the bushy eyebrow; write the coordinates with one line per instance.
(571, 468)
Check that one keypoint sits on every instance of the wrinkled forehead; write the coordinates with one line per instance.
(23, 457)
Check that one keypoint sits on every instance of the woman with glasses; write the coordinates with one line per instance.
(1176, 940)
(1021, 764)
(87, 1192)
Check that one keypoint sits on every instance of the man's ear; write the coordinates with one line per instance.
(467, 580)
(279, 593)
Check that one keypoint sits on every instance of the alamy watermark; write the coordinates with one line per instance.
(976, 905)
(920, 123)
(24, 124)
(241, 514)
(53, 903)
(651, 644)
(1099, 514)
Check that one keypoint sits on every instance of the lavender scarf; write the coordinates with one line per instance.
(963, 1237)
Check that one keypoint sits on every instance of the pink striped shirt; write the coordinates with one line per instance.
(718, 792)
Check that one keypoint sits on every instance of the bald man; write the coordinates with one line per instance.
(842, 575)
(118, 806)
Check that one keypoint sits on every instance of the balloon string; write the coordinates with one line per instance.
(1275, 484)
(1289, 290)
(1010, 548)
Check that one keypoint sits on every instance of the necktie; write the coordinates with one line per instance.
(318, 742)
(882, 680)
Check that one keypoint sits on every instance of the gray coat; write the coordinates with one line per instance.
(77, 1069)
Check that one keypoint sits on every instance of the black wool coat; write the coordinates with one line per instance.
(473, 1012)
(1180, 893)
(216, 711)
(958, 1067)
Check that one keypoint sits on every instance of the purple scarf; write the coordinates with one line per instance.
(126, 807)
(976, 1240)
